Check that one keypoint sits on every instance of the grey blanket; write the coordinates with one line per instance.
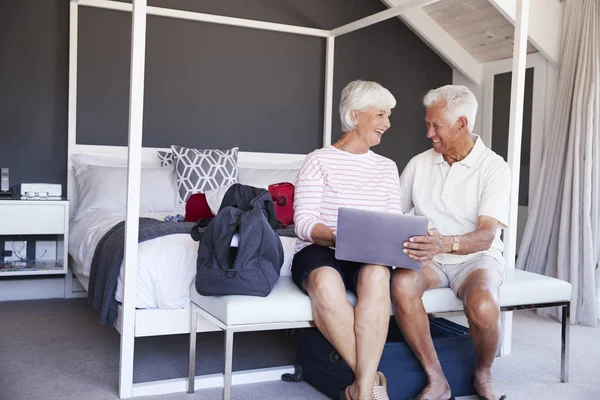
(109, 254)
(108, 257)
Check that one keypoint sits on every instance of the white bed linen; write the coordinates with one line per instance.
(166, 265)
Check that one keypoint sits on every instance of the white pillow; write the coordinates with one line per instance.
(257, 177)
(104, 188)
(214, 198)
(263, 177)
(80, 160)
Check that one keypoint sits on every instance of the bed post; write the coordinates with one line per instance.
(134, 163)
(329, 68)
(514, 153)
(72, 112)
(72, 118)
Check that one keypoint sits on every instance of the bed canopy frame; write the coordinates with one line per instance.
(135, 153)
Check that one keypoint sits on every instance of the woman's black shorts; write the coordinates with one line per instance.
(313, 257)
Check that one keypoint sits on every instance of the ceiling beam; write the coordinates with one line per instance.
(399, 7)
(440, 41)
(545, 24)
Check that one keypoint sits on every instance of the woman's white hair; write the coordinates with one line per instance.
(359, 95)
(459, 100)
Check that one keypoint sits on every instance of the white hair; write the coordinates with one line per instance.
(359, 95)
(459, 100)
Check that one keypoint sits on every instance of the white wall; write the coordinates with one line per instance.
(459, 79)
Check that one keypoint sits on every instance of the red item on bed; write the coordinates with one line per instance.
(283, 198)
(197, 208)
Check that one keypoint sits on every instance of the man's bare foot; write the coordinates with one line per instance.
(436, 391)
(484, 385)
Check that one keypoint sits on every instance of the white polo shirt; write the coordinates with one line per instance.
(453, 197)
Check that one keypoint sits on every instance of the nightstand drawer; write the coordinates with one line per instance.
(32, 219)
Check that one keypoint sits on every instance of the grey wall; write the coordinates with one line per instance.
(34, 48)
(206, 85)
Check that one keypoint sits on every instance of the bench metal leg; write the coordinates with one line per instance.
(564, 348)
(192, 355)
(228, 364)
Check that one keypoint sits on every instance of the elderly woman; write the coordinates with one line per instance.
(348, 174)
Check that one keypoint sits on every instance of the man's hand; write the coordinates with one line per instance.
(424, 248)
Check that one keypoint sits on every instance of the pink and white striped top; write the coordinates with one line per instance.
(331, 178)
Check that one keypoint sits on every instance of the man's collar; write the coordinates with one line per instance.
(471, 158)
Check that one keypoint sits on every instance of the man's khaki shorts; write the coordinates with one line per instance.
(453, 275)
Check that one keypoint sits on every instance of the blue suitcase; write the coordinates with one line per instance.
(319, 364)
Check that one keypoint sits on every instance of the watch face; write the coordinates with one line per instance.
(455, 244)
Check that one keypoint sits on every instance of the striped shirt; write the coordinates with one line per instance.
(331, 178)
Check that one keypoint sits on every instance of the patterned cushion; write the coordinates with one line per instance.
(165, 157)
(202, 170)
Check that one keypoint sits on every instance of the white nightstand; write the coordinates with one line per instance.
(26, 220)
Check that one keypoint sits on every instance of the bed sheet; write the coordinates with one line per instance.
(166, 265)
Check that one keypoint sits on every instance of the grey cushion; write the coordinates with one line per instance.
(202, 170)
(165, 157)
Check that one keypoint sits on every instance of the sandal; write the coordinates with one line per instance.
(503, 397)
(380, 390)
(381, 379)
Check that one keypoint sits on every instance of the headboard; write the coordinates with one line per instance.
(149, 158)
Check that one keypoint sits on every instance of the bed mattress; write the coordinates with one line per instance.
(166, 265)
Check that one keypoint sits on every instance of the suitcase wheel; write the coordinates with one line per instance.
(295, 377)
(335, 357)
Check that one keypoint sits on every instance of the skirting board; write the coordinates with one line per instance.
(211, 381)
(32, 289)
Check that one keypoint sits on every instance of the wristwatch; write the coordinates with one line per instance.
(333, 239)
(455, 244)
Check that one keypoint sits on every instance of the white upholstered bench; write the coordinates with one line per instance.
(286, 307)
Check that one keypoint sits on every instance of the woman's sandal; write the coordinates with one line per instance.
(379, 391)
(503, 397)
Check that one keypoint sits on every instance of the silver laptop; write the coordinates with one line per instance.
(374, 237)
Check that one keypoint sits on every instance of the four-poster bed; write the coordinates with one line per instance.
(133, 322)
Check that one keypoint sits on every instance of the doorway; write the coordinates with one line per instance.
(495, 128)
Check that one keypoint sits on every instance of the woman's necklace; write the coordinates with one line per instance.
(341, 145)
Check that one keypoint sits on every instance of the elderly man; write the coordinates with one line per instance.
(463, 188)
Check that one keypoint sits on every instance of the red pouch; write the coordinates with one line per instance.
(197, 208)
(283, 199)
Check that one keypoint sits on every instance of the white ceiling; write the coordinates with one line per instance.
(477, 26)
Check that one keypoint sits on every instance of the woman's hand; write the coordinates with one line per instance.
(424, 248)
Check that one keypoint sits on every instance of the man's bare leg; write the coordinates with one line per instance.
(408, 287)
(479, 293)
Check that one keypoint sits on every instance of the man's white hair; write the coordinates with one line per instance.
(360, 95)
(459, 100)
